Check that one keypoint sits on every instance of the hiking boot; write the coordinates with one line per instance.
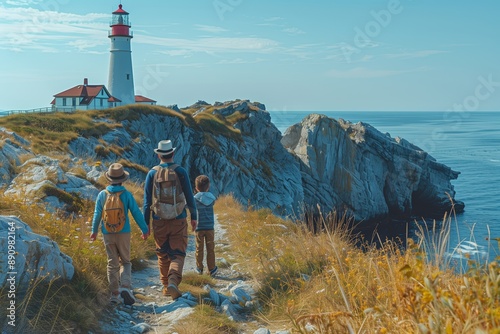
(199, 271)
(173, 291)
(128, 296)
(115, 300)
(214, 271)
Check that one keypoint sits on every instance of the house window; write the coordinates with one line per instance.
(64, 101)
(73, 102)
(102, 102)
(128, 76)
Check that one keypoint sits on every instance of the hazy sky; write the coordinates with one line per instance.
(290, 55)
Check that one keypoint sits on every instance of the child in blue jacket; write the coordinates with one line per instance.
(205, 234)
(119, 268)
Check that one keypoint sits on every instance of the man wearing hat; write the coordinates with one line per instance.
(117, 243)
(171, 235)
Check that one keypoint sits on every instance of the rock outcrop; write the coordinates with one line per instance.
(28, 256)
(356, 168)
(249, 162)
(37, 176)
(318, 162)
(11, 151)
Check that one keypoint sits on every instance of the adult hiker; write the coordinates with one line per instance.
(167, 192)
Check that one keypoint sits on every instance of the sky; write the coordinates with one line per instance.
(332, 55)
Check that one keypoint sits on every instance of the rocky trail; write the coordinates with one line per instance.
(231, 294)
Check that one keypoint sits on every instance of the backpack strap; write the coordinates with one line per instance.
(173, 167)
(107, 193)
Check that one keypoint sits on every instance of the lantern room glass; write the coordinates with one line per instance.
(120, 19)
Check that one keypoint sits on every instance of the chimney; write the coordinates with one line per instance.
(85, 81)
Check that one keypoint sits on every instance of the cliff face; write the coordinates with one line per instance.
(366, 172)
(252, 165)
(320, 161)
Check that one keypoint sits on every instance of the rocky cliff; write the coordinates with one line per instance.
(356, 168)
(321, 161)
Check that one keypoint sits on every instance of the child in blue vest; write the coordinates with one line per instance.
(205, 234)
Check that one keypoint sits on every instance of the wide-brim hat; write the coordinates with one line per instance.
(116, 173)
(164, 147)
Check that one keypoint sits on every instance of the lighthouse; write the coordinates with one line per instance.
(121, 78)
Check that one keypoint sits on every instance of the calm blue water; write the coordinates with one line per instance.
(468, 142)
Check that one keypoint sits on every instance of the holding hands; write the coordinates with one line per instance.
(144, 236)
(193, 224)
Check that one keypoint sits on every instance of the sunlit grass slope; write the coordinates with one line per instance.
(324, 281)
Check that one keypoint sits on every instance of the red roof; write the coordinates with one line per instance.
(114, 99)
(120, 10)
(86, 92)
(140, 98)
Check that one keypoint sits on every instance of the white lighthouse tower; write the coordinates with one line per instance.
(121, 78)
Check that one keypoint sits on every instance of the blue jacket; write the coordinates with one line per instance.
(205, 205)
(129, 204)
(186, 188)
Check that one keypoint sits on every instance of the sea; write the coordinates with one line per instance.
(466, 141)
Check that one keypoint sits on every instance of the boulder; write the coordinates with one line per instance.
(28, 256)
(10, 153)
(43, 171)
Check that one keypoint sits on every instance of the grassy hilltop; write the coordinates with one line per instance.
(328, 279)
(50, 132)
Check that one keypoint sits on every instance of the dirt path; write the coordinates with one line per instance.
(155, 313)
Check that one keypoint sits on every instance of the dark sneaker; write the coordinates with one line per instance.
(128, 297)
(199, 271)
(173, 291)
(115, 300)
(214, 271)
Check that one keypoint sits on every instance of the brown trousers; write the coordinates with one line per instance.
(205, 238)
(171, 238)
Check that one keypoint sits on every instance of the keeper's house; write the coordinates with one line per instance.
(90, 97)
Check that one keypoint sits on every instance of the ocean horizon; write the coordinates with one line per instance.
(467, 142)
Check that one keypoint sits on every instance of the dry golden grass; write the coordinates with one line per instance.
(323, 280)
(305, 280)
(205, 320)
(49, 132)
(63, 306)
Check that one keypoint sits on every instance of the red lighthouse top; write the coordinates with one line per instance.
(120, 25)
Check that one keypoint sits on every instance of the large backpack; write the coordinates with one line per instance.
(113, 213)
(168, 198)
